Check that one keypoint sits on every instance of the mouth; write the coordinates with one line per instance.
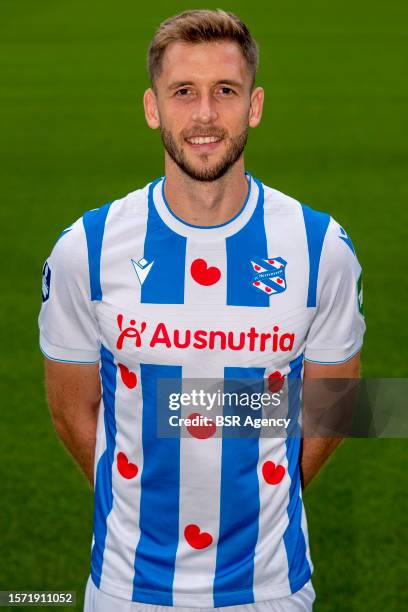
(204, 143)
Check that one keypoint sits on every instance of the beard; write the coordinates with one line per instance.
(234, 150)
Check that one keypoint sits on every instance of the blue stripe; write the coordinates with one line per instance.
(299, 569)
(243, 246)
(316, 224)
(334, 362)
(103, 484)
(165, 282)
(239, 503)
(64, 360)
(94, 224)
(155, 556)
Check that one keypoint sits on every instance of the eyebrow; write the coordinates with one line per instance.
(231, 82)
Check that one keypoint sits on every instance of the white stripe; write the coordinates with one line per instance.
(200, 481)
(280, 283)
(270, 562)
(200, 459)
(258, 267)
(123, 241)
(275, 264)
(125, 231)
(214, 255)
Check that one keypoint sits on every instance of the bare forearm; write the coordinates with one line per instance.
(315, 452)
(73, 394)
(79, 437)
(318, 411)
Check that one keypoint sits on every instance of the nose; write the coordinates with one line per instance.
(205, 111)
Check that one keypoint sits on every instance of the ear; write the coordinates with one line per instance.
(255, 110)
(151, 109)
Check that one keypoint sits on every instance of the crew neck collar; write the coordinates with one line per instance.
(230, 227)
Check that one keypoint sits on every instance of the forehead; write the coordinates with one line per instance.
(196, 62)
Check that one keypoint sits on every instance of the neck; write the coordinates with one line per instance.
(205, 203)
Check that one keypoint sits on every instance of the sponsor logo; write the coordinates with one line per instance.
(129, 332)
(142, 268)
(269, 275)
(214, 339)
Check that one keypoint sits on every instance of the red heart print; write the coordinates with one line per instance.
(125, 468)
(272, 473)
(204, 275)
(201, 431)
(196, 538)
(275, 381)
(129, 378)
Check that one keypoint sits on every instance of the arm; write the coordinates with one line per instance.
(73, 393)
(315, 450)
(70, 341)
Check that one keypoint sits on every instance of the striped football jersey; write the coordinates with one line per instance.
(199, 519)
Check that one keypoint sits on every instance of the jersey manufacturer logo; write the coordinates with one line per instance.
(46, 281)
(269, 275)
(346, 238)
(142, 268)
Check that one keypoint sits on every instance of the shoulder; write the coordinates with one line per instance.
(68, 259)
(69, 242)
(93, 221)
(319, 225)
(311, 221)
(327, 239)
(277, 202)
(281, 203)
(133, 204)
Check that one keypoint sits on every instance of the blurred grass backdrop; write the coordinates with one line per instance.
(73, 137)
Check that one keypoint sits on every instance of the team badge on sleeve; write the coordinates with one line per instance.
(269, 275)
(360, 294)
(46, 281)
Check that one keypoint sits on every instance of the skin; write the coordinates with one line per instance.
(315, 450)
(202, 89)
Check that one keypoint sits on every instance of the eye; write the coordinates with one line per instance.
(183, 92)
(226, 91)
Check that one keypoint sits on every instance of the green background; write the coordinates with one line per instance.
(333, 135)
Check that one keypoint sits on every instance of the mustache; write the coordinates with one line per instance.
(205, 132)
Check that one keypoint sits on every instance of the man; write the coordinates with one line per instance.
(204, 273)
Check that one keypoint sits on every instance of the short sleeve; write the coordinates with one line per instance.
(337, 330)
(68, 328)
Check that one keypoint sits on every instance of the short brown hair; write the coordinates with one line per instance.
(199, 26)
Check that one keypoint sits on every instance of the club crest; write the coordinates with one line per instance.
(269, 275)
